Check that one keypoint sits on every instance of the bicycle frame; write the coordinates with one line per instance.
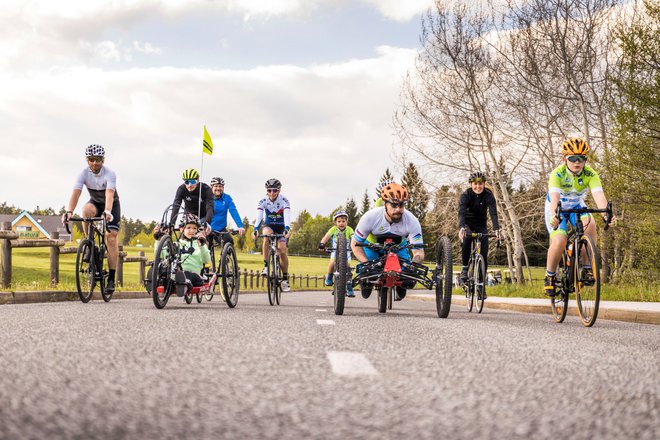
(394, 271)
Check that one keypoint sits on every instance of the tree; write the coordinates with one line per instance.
(352, 211)
(366, 203)
(418, 202)
(11, 210)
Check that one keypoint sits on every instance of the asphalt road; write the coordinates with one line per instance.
(127, 370)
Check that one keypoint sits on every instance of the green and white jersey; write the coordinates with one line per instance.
(334, 231)
(571, 188)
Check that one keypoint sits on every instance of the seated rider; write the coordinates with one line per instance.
(192, 263)
(341, 227)
(223, 203)
(389, 220)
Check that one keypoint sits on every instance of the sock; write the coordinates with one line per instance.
(285, 275)
(464, 268)
(111, 274)
(265, 263)
(549, 273)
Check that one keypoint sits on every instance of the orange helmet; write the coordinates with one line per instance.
(574, 147)
(394, 193)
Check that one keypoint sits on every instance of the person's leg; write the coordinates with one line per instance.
(466, 248)
(266, 248)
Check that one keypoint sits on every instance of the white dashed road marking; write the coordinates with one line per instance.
(321, 310)
(325, 322)
(348, 363)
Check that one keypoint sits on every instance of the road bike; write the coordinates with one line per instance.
(579, 268)
(274, 269)
(388, 272)
(475, 286)
(225, 268)
(90, 258)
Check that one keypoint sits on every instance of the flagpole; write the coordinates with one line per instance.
(199, 201)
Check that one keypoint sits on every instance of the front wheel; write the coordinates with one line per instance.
(443, 277)
(587, 280)
(85, 278)
(162, 279)
(468, 287)
(479, 282)
(559, 302)
(341, 274)
(230, 275)
(272, 280)
(383, 293)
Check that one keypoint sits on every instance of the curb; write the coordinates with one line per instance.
(636, 316)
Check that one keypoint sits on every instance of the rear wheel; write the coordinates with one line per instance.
(198, 296)
(383, 293)
(162, 282)
(341, 273)
(85, 278)
(443, 276)
(188, 297)
(230, 275)
(587, 285)
(272, 281)
(559, 302)
(479, 282)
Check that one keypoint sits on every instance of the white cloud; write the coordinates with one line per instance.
(401, 10)
(146, 48)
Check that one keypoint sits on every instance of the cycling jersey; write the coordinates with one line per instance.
(273, 213)
(97, 183)
(222, 205)
(473, 209)
(572, 188)
(334, 232)
(374, 222)
(191, 202)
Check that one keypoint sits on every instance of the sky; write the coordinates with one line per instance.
(300, 90)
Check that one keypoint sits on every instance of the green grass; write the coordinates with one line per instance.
(31, 272)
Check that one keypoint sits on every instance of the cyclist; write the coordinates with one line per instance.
(391, 220)
(192, 261)
(473, 208)
(223, 203)
(569, 183)
(340, 218)
(101, 183)
(274, 213)
(188, 193)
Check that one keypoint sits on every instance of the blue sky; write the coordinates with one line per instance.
(301, 90)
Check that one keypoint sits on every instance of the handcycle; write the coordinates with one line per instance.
(167, 263)
(274, 269)
(572, 275)
(90, 257)
(475, 286)
(224, 268)
(389, 271)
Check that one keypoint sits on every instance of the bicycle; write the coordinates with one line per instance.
(388, 272)
(572, 275)
(341, 275)
(226, 268)
(475, 287)
(274, 270)
(89, 258)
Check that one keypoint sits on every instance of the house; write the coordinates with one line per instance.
(36, 227)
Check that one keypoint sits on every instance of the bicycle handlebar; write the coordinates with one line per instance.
(390, 247)
(583, 210)
(86, 220)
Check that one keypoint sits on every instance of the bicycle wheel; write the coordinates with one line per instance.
(230, 275)
(341, 274)
(559, 302)
(383, 292)
(162, 272)
(587, 285)
(85, 278)
(188, 297)
(280, 277)
(198, 296)
(479, 282)
(469, 286)
(443, 277)
(107, 296)
(211, 292)
(272, 281)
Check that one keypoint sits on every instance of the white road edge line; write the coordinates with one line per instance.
(325, 322)
(348, 363)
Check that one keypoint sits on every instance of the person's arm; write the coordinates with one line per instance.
(418, 255)
(258, 220)
(109, 198)
(176, 204)
(325, 239)
(234, 213)
(359, 253)
(362, 231)
(462, 209)
(415, 238)
(492, 208)
(287, 218)
(73, 201)
(207, 197)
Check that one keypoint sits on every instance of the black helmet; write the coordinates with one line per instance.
(477, 176)
(273, 184)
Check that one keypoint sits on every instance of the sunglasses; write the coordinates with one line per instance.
(95, 159)
(190, 182)
(272, 190)
(578, 159)
(397, 205)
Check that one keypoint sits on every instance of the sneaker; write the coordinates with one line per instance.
(110, 286)
(328, 280)
(366, 289)
(463, 277)
(400, 293)
(549, 285)
(285, 286)
(349, 291)
(180, 280)
(264, 272)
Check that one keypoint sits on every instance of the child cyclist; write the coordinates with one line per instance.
(341, 227)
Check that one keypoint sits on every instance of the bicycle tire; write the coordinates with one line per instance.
(188, 297)
(161, 272)
(587, 291)
(443, 277)
(198, 296)
(559, 302)
(383, 293)
(271, 279)
(280, 278)
(85, 278)
(341, 274)
(479, 282)
(469, 286)
(230, 275)
(215, 269)
(107, 296)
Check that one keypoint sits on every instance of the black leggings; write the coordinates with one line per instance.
(466, 246)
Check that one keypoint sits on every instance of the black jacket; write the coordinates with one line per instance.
(472, 209)
(191, 202)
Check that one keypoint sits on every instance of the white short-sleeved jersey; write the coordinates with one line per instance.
(273, 213)
(374, 222)
(97, 183)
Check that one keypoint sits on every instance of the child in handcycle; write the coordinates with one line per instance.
(340, 218)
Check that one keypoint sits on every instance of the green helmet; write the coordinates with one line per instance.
(190, 174)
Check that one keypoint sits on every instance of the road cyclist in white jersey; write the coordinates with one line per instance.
(390, 220)
(274, 214)
(101, 183)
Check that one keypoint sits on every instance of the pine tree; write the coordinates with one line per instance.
(418, 200)
(366, 203)
(352, 211)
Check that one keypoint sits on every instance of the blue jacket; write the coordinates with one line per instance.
(221, 205)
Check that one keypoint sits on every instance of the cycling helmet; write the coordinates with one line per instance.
(190, 174)
(394, 193)
(477, 175)
(273, 184)
(574, 147)
(94, 150)
(217, 181)
(384, 183)
(189, 218)
(339, 214)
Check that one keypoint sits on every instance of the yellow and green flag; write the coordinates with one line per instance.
(208, 143)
